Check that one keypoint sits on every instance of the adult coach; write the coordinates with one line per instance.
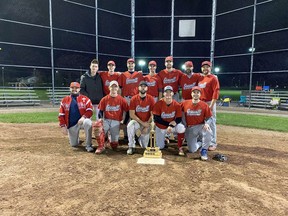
(75, 113)
(171, 77)
(140, 110)
(111, 111)
(188, 80)
(91, 85)
(210, 93)
(167, 117)
(153, 82)
(197, 117)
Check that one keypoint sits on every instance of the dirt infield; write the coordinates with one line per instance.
(42, 175)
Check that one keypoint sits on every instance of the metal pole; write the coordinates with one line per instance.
(133, 29)
(3, 77)
(213, 28)
(172, 27)
(96, 28)
(52, 51)
(252, 52)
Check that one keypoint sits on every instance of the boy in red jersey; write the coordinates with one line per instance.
(108, 76)
(111, 110)
(171, 77)
(141, 106)
(210, 93)
(197, 116)
(75, 113)
(188, 80)
(153, 82)
(167, 117)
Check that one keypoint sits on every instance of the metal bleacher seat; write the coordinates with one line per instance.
(59, 93)
(18, 97)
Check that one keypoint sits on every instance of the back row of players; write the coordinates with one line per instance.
(200, 92)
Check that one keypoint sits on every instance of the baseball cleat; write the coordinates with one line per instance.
(204, 155)
(99, 150)
(181, 152)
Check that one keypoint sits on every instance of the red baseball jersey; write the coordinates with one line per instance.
(143, 108)
(210, 87)
(167, 113)
(195, 113)
(107, 78)
(154, 84)
(130, 82)
(84, 105)
(170, 78)
(113, 107)
(187, 83)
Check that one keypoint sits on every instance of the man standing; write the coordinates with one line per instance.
(141, 106)
(111, 111)
(167, 117)
(75, 113)
(129, 81)
(171, 77)
(153, 82)
(91, 85)
(210, 93)
(198, 118)
(108, 76)
(188, 80)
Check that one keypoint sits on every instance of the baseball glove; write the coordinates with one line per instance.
(220, 157)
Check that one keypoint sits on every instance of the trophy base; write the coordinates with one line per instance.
(153, 161)
(152, 152)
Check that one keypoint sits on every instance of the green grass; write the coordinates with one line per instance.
(41, 93)
(232, 119)
(253, 121)
(234, 94)
(37, 117)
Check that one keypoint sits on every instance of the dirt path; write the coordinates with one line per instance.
(40, 174)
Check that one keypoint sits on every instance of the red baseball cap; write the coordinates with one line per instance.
(206, 63)
(189, 64)
(152, 63)
(74, 84)
(196, 88)
(130, 60)
(169, 58)
(111, 62)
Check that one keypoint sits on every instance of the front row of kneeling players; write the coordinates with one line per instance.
(76, 111)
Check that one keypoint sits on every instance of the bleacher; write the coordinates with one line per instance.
(59, 94)
(266, 99)
(18, 97)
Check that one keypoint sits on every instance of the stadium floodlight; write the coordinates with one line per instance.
(252, 49)
(217, 69)
(141, 63)
(183, 67)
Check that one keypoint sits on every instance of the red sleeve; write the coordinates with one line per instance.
(157, 108)
(159, 84)
(101, 105)
(132, 104)
(125, 105)
(178, 110)
(89, 109)
(120, 80)
(61, 116)
(216, 88)
(152, 103)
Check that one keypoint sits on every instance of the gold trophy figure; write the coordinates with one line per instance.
(153, 151)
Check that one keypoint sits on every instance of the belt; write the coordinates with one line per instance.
(128, 96)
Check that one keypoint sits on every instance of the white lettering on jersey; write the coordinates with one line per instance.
(202, 85)
(172, 80)
(142, 109)
(112, 108)
(167, 115)
(107, 83)
(153, 83)
(130, 81)
(189, 86)
(194, 112)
